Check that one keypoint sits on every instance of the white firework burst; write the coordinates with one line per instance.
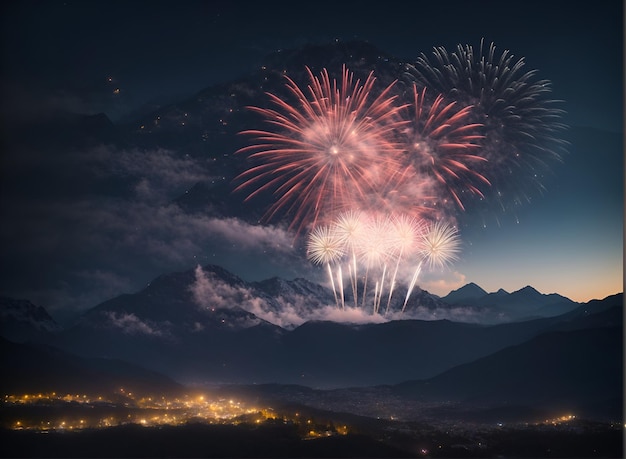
(375, 247)
(324, 246)
(349, 227)
(406, 234)
(440, 244)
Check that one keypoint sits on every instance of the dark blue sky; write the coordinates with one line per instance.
(75, 55)
(161, 49)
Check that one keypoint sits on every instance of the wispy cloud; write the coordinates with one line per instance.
(131, 324)
(287, 311)
(212, 293)
(157, 173)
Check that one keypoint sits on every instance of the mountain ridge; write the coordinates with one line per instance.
(572, 371)
(35, 368)
(206, 324)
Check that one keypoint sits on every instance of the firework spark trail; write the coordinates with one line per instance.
(381, 241)
(340, 282)
(376, 293)
(355, 281)
(332, 283)
(329, 152)
(412, 284)
(392, 282)
(380, 287)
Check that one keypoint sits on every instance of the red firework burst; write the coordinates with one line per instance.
(327, 151)
(443, 144)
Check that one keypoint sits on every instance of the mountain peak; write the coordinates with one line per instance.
(528, 289)
(469, 291)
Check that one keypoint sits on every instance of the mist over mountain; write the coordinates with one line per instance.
(207, 325)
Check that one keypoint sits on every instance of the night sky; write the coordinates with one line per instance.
(67, 246)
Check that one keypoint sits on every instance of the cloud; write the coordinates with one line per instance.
(452, 313)
(130, 204)
(347, 315)
(131, 324)
(166, 233)
(158, 173)
(209, 292)
(250, 236)
(290, 316)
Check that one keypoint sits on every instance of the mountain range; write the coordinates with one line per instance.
(161, 340)
(502, 306)
(208, 326)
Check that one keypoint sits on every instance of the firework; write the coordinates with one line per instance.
(440, 244)
(328, 151)
(349, 228)
(324, 247)
(412, 285)
(373, 180)
(375, 249)
(376, 243)
(443, 143)
(406, 237)
(405, 233)
(521, 121)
